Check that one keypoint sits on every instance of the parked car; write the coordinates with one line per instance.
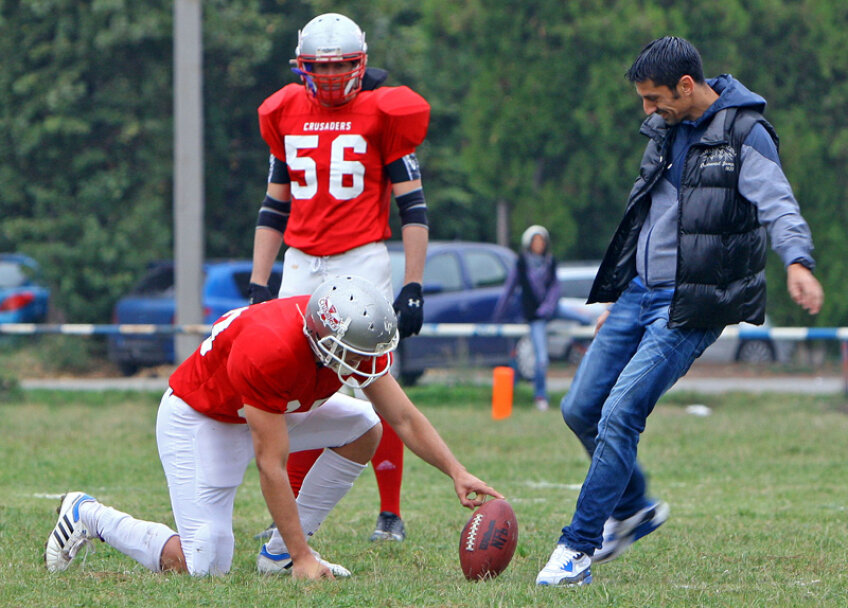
(462, 283)
(151, 301)
(750, 350)
(24, 298)
(576, 280)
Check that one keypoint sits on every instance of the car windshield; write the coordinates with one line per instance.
(158, 281)
(12, 274)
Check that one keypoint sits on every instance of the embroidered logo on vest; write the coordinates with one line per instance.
(723, 157)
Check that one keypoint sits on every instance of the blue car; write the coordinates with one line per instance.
(462, 284)
(151, 301)
(23, 296)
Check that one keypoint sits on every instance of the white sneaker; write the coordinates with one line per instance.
(620, 534)
(69, 534)
(274, 563)
(541, 404)
(566, 568)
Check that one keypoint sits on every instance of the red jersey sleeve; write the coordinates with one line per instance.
(249, 375)
(269, 117)
(406, 116)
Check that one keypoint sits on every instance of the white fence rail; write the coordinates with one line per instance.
(441, 330)
(445, 330)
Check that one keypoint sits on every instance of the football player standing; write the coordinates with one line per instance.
(341, 145)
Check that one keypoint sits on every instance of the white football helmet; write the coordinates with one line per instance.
(327, 39)
(350, 324)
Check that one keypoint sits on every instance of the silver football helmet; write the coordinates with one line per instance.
(350, 324)
(327, 39)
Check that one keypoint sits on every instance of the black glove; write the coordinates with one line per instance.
(409, 307)
(258, 293)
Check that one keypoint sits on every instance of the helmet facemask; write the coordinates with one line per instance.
(331, 90)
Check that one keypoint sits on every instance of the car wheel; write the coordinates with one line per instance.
(410, 378)
(755, 351)
(404, 377)
(525, 358)
(128, 369)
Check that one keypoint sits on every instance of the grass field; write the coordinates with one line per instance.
(758, 492)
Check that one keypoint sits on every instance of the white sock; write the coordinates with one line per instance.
(329, 479)
(141, 540)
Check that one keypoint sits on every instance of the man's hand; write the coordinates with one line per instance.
(310, 568)
(601, 320)
(466, 484)
(258, 293)
(804, 288)
(409, 307)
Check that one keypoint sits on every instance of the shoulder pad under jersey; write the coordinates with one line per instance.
(280, 98)
(407, 115)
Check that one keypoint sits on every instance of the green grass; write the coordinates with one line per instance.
(758, 493)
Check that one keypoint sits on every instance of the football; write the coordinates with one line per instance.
(488, 540)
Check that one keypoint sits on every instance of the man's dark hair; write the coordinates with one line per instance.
(665, 61)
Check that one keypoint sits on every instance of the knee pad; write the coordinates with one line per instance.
(210, 552)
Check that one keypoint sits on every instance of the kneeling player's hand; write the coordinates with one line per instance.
(409, 307)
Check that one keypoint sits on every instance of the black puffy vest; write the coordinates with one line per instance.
(721, 251)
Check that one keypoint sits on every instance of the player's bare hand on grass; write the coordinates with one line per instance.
(311, 569)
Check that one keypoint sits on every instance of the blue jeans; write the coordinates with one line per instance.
(633, 360)
(539, 338)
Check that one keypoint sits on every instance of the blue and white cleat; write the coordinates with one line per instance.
(566, 568)
(620, 534)
(69, 535)
(281, 563)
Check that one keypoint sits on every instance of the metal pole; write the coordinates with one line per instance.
(188, 170)
(502, 221)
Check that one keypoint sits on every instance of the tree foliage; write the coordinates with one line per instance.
(530, 107)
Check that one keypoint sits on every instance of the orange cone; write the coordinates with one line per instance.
(503, 379)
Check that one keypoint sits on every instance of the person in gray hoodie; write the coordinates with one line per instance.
(687, 259)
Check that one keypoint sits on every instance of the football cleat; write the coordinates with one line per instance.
(566, 568)
(69, 535)
(620, 534)
(274, 563)
(266, 533)
(389, 527)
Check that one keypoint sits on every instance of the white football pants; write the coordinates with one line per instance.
(302, 272)
(205, 461)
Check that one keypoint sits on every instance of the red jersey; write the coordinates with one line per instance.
(256, 355)
(336, 160)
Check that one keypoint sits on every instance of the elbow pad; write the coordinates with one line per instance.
(413, 208)
(274, 214)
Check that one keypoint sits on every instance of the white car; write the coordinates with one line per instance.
(575, 281)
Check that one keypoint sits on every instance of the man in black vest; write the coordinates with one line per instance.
(687, 259)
